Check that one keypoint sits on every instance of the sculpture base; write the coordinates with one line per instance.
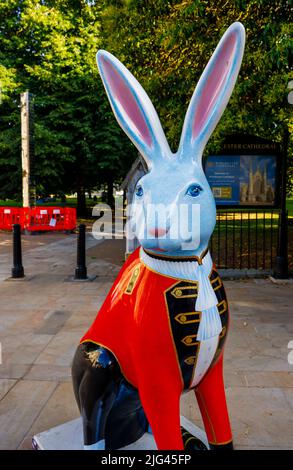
(68, 436)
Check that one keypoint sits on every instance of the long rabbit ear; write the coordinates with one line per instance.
(133, 108)
(212, 93)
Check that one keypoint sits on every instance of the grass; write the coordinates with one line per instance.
(254, 246)
(10, 203)
(70, 202)
(234, 221)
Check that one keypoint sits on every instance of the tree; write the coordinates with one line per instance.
(167, 44)
(49, 46)
(76, 140)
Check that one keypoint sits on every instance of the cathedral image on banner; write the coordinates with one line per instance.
(257, 184)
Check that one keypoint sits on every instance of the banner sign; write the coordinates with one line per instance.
(242, 180)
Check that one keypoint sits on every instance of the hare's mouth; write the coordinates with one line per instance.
(158, 232)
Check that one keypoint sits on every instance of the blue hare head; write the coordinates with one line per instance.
(173, 210)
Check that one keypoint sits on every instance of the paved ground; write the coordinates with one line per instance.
(43, 317)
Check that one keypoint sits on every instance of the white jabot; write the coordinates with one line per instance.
(179, 269)
(206, 302)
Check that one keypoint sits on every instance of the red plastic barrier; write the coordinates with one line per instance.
(36, 219)
(50, 219)
(10, 216)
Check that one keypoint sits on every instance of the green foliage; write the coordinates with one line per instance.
(49, 47)
(168, 43)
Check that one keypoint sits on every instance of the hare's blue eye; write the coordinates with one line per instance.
(194, 190)
(139, 191)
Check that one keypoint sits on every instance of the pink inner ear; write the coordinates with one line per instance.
(214, 84)
(127, 101)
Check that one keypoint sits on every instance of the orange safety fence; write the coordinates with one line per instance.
(10, 216)
(36, 219)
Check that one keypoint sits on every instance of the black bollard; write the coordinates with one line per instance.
(81, 271)
(17, 269)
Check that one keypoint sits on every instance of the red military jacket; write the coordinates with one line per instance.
(148, 321)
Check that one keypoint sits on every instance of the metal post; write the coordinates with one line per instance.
(17, 269)
(281, 261)
(81, 270)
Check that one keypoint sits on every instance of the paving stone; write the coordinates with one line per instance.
(60, 408)
(23, 349)
(5, 386)
(189, 408)
(269, 379)
(260, 417)
(79, 323)
(48, 372)
(60, 350)
(19, 408)
(53, 322)
(26, 323)
(256, 362)
(234, 378)
(38, 345)
(289, 397)
(13, 371)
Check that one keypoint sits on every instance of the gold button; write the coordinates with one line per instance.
(183, 318)
(190, 360)
(178, 292)
(189, 340)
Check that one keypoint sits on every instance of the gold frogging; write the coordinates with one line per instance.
(133, 279)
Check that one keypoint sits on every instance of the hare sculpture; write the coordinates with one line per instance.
(163, 325)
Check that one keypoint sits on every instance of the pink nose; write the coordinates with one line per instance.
(157, 232)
